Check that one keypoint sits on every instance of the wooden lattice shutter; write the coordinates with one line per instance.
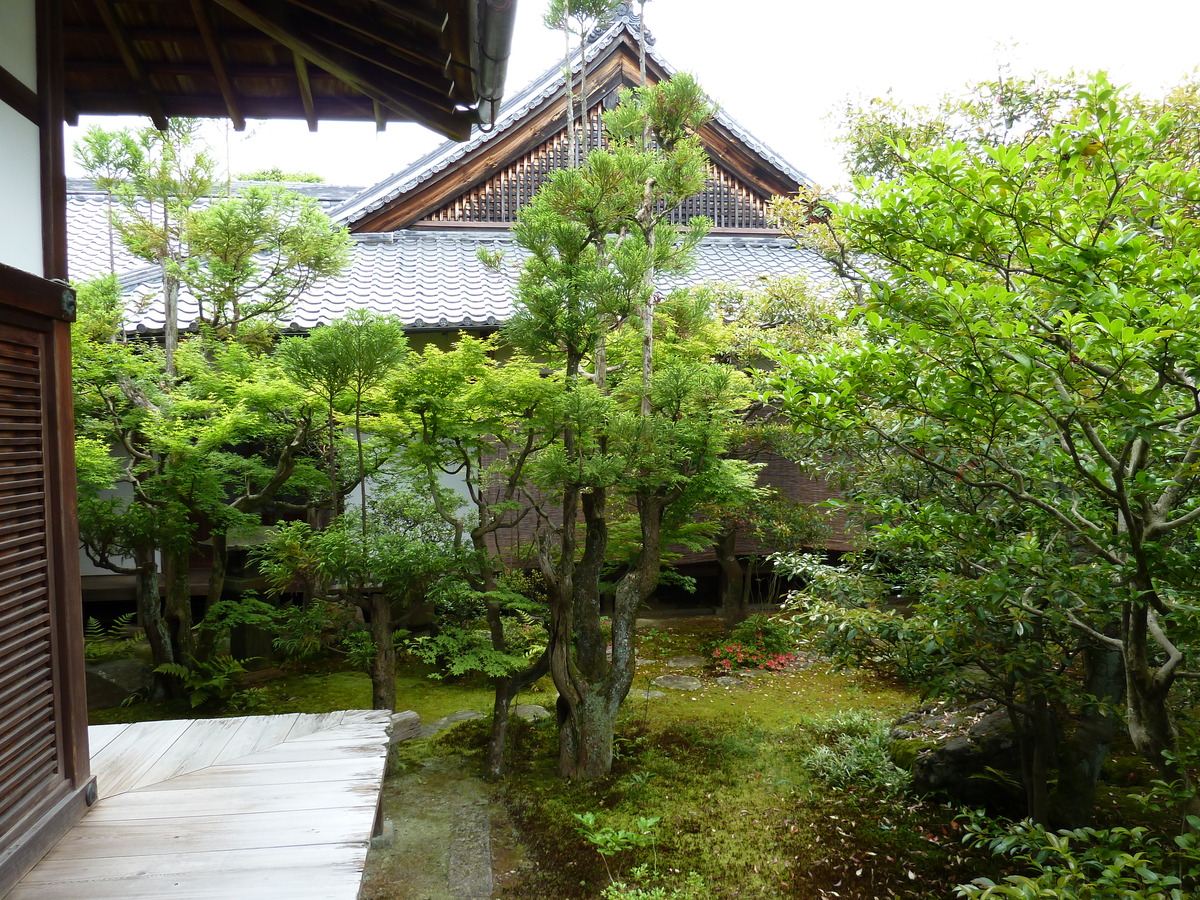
(29, 755)
(43, 708)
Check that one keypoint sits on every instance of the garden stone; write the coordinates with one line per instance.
(677, 682)
(640, 694)
(113, 682)
(750, 673)
(531, 712)
(686, 662)
(729, 681)
(464, 715)
(956, 753)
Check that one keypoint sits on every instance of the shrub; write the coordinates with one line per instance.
(854, 754)
(757, 642)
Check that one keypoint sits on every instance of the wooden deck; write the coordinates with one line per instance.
(260, 807)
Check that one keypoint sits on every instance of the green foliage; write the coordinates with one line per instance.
(758, 642)
(610, 841)
(115, 641)
(845, 609)
(211, 683)
(1028, 331)
(462, 651)
(246, 610)
(854, 755)
(360, 648)
(252, 255)
(304, 631)
(689, 887)
(1085, 863)
(276, 174)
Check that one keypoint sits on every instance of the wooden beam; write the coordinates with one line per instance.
(213, 49)
(51, 153)
(161, 35)
(418, 13)
(19, 96)
(405, 46)
(365, 79)
(306, 94)
(132, 63)
(424, 88)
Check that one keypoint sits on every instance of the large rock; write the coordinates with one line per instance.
(113, 682)
(677, 682)
(439, 725)
(530, 712)
(967, 755)
(687, 662)
(640, 694)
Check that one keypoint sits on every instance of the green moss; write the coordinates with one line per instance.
(904, 752)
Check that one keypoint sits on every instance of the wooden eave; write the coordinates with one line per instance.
(367, 60)
(617, 67)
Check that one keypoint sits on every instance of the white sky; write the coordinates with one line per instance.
(781, 68)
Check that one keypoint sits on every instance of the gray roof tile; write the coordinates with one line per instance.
(434, 279)
(93, 247)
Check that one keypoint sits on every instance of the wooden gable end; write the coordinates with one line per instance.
(728, 201)
(488, 186)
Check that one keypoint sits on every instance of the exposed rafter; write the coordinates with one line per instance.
(271, 19)
(435, 62)
(419, 52)
(306, 95)
(132, 63)
(213, 49)
(417, 12)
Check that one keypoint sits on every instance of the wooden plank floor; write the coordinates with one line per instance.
(255, 808)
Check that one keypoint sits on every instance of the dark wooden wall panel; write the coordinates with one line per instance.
(43, 727)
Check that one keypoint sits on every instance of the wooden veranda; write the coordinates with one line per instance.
(263, 806)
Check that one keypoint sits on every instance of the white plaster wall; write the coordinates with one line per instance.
(20, 179)
(18, 40)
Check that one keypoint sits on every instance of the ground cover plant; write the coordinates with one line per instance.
(778, 787)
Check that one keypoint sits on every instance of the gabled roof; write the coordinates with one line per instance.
(94, 248)
(434, 280)
(527, 111)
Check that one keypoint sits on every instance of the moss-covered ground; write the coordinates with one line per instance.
(722, 770)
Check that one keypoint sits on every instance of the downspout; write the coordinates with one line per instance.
(497, 19)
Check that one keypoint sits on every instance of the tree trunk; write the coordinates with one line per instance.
(208, 639)
(179, 606)
(507, 690)
(734, 606)
(383, 667)
(586, 739)
(587, 714)
(170, 319)
(1073, 803)
(149, 604)
(1148, 716)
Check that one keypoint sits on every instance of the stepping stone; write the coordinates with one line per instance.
(464, 715)
(729, 681)
(751, 673)
(530, 712)
(640, 694)
(678, 682)
(687, 662)
(471, 854)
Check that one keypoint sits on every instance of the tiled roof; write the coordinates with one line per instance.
(433, 279)
(93, 247)
(515, 109)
